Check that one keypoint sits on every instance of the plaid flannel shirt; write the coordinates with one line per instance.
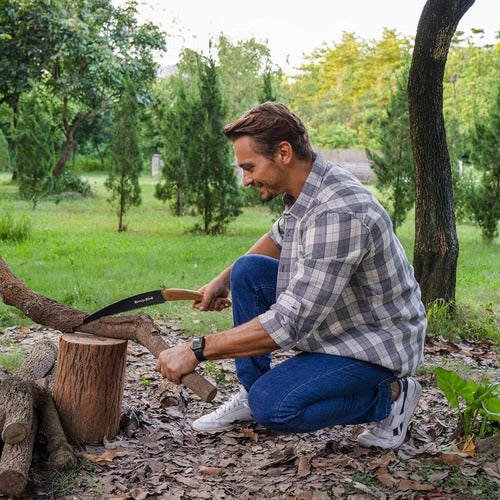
(345, 286)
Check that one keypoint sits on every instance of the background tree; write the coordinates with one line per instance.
(35, 148)
(126, 163)
(241, 67)
(341, 90)
(436, 243)
(215, 190)
(107, 47)
(394, 166)
(267, 91)
(177, 120)
(4, 153)
(485, 197)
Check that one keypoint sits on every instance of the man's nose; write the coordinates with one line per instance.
(247, 178)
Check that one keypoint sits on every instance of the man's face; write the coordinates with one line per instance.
(265, 174)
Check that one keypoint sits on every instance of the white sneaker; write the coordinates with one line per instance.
(391, 432)
(226, 416)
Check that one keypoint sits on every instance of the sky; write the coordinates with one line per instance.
(293, 28)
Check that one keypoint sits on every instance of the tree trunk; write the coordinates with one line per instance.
(436, 244)
(89, 385)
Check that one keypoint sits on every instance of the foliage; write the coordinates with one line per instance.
(482, 402)
(4, 152)
(35, 148)
(26, 50)
(394, 164)
(89, 164)
(460, 321)
(215, 188)
(126, 164)
(14, 226)
(177, 118)
(267, 91)
(485, 197)
(70, 181)
(242, 68)
(346, 86)
(84, 52)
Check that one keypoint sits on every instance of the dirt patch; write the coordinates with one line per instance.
(157, 455)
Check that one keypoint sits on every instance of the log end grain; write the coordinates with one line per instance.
(12, 482)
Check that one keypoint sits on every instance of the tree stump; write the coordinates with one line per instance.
(89, 383)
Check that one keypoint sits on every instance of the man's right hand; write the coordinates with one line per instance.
(213, 293)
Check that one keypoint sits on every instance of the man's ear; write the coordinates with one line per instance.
(284, 152)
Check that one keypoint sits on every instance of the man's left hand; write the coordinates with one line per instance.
(176, 362)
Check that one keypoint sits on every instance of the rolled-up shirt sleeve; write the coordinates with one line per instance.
(331, 246)
(276, 232)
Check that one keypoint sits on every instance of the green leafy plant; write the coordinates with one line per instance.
(217, 372)
(482, 401)
(145, 381)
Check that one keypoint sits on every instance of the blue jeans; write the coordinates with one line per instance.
(308, 391)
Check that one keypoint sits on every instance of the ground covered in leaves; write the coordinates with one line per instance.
(157, 455)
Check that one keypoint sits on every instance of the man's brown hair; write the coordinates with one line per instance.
(268, 124)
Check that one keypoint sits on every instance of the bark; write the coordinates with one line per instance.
(61, 455)
(15, 464)
(39, 361)
(139, 328)
(69, 130)
(436, 242)
(23, 404)
(89, 386)
(16, 399)
(169, 394)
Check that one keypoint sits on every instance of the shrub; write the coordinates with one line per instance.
(4, 153)
(88, 164)
(14, 226)
(70, 181)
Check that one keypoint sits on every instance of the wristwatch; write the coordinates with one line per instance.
(197, 346)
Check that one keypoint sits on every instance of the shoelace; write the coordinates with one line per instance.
(229, 405)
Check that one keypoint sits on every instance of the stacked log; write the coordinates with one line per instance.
(25, 406)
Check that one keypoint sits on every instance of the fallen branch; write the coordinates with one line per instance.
(139, 328)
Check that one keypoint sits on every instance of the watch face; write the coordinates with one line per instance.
(197, 343)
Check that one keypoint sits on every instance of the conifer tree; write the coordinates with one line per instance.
(126, 164)
(4, 153)
(394, 166)
(178, 123)
(485, 197)
(215, 189)
(35, 154)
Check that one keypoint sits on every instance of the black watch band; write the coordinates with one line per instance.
(197, 346)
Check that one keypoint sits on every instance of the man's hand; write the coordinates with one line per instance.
(176, 362)
(213, 293)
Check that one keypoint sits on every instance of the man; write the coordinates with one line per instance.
(331, 281)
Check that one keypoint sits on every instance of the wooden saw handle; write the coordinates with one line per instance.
(184, 294)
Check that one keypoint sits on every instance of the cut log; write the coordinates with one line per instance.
(16, 393)
(140, 328)
(39, 361)
(89, 384)
(15, 464)
(170, 394)
(17, 400)
(61, 455)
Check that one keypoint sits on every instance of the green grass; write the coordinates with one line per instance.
(76, 256)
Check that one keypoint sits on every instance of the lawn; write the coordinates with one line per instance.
(76, 256)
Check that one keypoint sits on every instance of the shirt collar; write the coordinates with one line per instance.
(298, 207)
